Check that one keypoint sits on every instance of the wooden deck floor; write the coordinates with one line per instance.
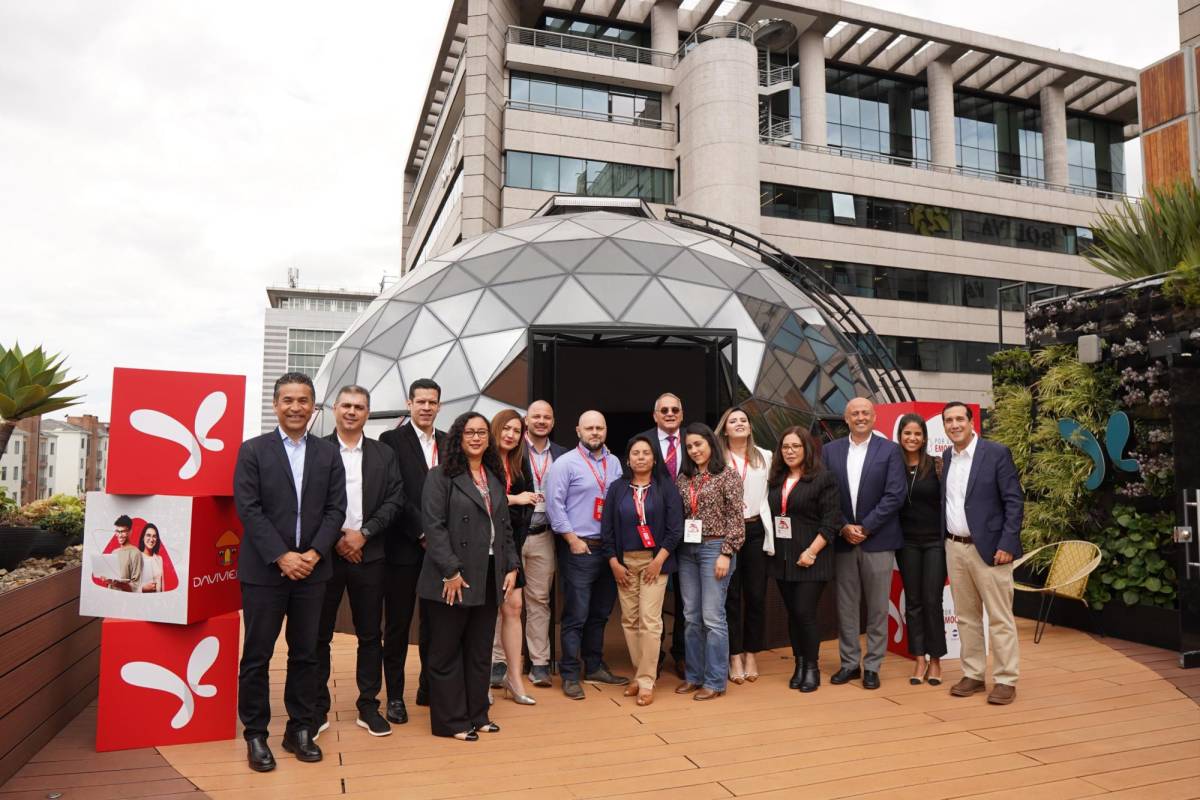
(1090, 720)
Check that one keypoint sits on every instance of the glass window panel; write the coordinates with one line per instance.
(621, 105)
(870, 140)
(543, 93)
(851, 137)
(868, 114)
(572, 175)
(595, 103)
(545, 173)
(833, 108)
(834, 134)
(570, 96)
(517, 170)
(519, 88)
(601, 176)
(1074, 151)
(849, 110)
(652, 109)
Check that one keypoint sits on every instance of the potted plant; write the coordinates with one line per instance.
(30, 385)
(60, 520)
(17, 533)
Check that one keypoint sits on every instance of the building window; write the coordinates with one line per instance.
(875, 114)
(678, 123)
(16, 473)
(604, 31)
(678, 177)
(453, 196)
(1095, 154)
(817, 205)
(3, 473)
(17, 448)
(922, 286)
(323, 304)
(936, 355)
(579, 176)
(588, 100)
(50, 471)
(994, 137)
(306, 348)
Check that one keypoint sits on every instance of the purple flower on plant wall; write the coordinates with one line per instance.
(1159, 436)
(1160, 398)
(1155, 336)
(1132, 490)
(1134, 397)
(1129, 348)
(1129, 320)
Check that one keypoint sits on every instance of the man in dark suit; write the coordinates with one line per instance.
(416, 444)
(870, 475)
(668, 455)
(983, 507)
(374, 499)
(290, 492)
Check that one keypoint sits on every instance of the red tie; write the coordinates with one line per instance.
(672, 457)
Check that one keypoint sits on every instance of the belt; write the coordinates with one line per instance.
(540, 529)
(593, 542)
(752, 520)
(959, 539)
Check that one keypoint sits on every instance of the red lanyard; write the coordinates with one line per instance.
(538, 474)
(639, 502)
(433, 456)
(745, 466)
(694, 493)
(482, 484)
(788, 485)
(507, 476)
(601, 477)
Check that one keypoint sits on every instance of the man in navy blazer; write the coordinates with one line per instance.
(870, 474)
(983, 507)
(290, 492)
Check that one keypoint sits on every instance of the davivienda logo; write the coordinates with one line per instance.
(194, 441)
(146, 675)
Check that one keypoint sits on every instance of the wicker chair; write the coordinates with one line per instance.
(1073, 561)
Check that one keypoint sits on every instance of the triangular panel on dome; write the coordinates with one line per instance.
(812, 316)
(371, 368)
(529, 230)
(755, 286)
(486, 268)
(700, 302)
(614, 292)
(419, 290)
(568, 254)
(734, 315)
(344, 372)
(733, 274)
(489, 243)
(451, 410)
(572, 304)
(486, 353)
(423, 364)
(454, 311)
(655, 306)
(388, 394)
(490, 408)
(687, 267)
(529, 263)
(460, 250)
(750, 356)
(393, 312)
(566, 229)
(606, 224)
(650, 255)
(608, 258)
(512, 384)
(647, 231)
(528, 297)
(491, 314)
(321, 381)
(390, 342)
(791, 294)
(358, 332)
(682, 235)
(454, 376)
(714, 248)
(427, 332)
(456, 281)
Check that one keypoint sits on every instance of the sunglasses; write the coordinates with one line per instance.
(670, 410)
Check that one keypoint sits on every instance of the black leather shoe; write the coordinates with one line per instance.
(573, 689)
(794, 683)
(300, 744)
(422, 696)
(870, 680)
(397, 712)
(845, 675)
(259, 756)
(602, 675)
(812, 678)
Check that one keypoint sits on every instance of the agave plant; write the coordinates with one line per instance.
(31, 384)
(1157, 235)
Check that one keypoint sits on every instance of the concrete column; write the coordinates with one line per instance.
(1054, 135)
(664, 26)
(717, 91)
(940, 79)
(811, 69)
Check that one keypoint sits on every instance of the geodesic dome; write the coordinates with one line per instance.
(463, 318)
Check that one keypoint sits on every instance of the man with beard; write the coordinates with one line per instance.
(129, 560)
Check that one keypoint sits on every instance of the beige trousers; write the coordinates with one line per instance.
(537, 558)
(977, 587)
(641, 617)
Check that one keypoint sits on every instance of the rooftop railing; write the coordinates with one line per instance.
(771, 76)
(714, 30)
(592, 47)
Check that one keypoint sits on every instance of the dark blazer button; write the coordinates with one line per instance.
(466, 518)
(463, 543)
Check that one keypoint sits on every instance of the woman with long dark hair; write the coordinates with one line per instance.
(713, 532)
(149, 543)
(470, 566)
(508, 437)
(803, 496)
(641, 526)
(922, 560)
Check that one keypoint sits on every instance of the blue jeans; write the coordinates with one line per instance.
(589, 593)
(706, 634)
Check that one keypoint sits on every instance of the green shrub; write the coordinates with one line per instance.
(1136, 560)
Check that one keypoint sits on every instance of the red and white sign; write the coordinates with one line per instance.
(160, 559)
(887, 419)
(174, 433)
(167, 684)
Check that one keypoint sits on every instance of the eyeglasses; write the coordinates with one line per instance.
(670, 410)
(475, 434)
(791, 448)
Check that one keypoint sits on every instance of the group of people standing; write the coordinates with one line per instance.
(476, 522)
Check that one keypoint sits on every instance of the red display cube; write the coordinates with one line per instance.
(167, 684)
(160, 559)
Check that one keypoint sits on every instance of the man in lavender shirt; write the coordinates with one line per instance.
(575, 489)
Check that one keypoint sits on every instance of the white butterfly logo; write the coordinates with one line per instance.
(154, 676)
(162, 426)
(896, 612)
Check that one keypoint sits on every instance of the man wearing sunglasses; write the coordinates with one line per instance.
(668, 455)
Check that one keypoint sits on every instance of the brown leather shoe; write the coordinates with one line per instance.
(707, 694)
(645, 697)
(686, 688)
(631, 689)
(1002, 694)
(967, 687)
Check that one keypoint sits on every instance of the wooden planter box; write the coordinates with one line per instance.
(49, 665)
(1158, 627)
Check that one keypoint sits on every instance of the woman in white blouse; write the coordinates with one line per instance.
(745, 604)
(152, 564)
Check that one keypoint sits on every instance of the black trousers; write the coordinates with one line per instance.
(399, 602)
(263, 611)
(801, 599)
(460, 661)
(364, 583)
(923, 571)
(746, 601)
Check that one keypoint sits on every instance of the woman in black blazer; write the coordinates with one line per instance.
(470, 566)
(804, 500)
(640, 528)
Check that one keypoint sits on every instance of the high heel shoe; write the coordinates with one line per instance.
(751, 674)
(917, 680)
(467, 736)
(517, 697)
(933, 680)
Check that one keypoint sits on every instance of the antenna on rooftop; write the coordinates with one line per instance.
(293, 277)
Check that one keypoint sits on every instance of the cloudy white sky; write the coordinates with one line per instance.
(163, 161)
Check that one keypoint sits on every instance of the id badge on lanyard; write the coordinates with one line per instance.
(639, 507)
(693, 531)
(783, 523)
(598, 509)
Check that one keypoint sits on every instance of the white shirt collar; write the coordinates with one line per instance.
(969, 451)
(861, 445)
(355, 448)
(289, 440)
(662, 435)
(424, 437)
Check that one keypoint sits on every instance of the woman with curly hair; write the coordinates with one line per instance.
(470, 567)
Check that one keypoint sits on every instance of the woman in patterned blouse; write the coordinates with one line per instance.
(713, 532)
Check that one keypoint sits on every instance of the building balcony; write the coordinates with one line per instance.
(589, 59)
